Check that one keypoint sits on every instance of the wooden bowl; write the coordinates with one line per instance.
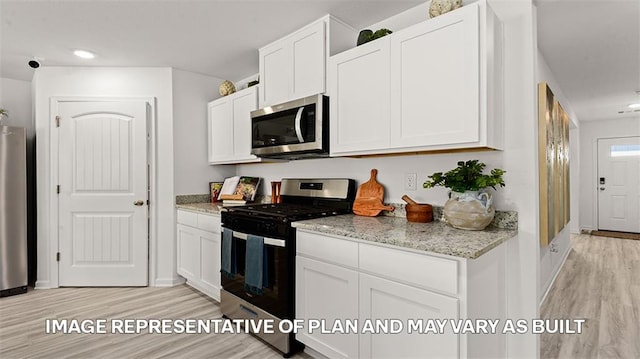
(420, 213)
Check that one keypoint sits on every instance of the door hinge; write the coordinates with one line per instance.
(58, 189)
(58, 257)
(57, 121)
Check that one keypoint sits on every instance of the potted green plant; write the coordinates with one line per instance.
(367, 35)
(469, 204)
(3, 113)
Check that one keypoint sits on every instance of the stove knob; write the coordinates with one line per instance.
(268, 227)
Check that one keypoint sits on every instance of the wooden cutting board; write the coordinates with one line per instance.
(369, 198)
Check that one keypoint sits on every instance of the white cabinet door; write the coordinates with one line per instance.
(295, 66)
(243, 103)
(275, 73)
(220, 123)
(435, 81)
(359, 87)
(199, 247)
(230, 127)
(329, 292)
(383, 299)
(188, 252)
(210, 247)
(309, 61)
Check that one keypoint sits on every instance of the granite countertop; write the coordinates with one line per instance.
(436, 237)
(206, 207)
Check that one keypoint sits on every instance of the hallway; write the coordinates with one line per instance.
(600, 282)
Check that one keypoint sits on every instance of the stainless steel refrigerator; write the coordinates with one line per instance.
(13, 210)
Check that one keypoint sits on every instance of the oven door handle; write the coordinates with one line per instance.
(268, 241)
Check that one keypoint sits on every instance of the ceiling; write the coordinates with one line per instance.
(212, 37)
(592, 46)
(593, 50)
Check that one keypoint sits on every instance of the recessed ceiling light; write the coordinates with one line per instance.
(84, 54)
(634, 105)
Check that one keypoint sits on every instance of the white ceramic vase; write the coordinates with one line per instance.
(470, 210)
(439, 7)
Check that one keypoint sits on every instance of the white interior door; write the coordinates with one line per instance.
(619, 184)
(103, 211)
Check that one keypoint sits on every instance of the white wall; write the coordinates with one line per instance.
(546, 74)
(519, 159)
(551, 261)
(109, 82)
(590, 132)
(191, 92)
(574, 179)
(15, 97)
(391, 172)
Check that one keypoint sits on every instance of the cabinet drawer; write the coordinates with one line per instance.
(209, 223)
(412, 268)
(329, 249)
(188, 218)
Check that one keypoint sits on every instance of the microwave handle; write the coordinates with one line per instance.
(267, 241)
(297, 124)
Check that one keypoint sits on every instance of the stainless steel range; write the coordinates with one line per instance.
(258, 252)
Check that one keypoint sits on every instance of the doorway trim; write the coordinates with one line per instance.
(54, 240)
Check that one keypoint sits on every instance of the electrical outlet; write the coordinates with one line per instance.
(410, 180)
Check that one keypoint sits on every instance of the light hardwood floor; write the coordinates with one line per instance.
(600, 282)
(22, 325)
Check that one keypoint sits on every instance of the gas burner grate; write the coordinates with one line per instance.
(288, 210)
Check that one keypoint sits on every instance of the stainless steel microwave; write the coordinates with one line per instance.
(292, 130)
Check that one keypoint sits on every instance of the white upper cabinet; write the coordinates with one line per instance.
(229, 120)
(360, 98)
(295, 66)
(432, 86)
(275, 73)
(435, 90)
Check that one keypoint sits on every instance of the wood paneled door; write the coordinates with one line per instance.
(103, 192)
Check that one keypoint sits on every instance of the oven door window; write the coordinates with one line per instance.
(275, 297)
(289, 127)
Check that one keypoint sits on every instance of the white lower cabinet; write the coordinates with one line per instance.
(382, 299)
(198, 261)
(326, 292)
(341, 279)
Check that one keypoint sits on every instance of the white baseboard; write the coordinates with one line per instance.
(167, 282)
(43, 284)
(564, 259)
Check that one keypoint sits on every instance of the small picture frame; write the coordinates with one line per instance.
(214, 190)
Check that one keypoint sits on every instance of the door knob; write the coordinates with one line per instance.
(138, 203)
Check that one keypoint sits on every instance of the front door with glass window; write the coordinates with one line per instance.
(619, 184)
